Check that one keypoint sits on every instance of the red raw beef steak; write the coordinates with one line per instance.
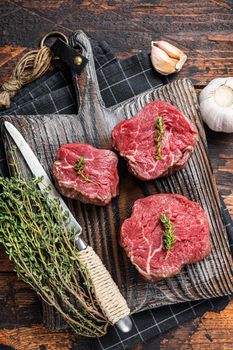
(86, 173)
(142, 235)
(135, 139)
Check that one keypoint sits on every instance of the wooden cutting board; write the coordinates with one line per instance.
(93, 124)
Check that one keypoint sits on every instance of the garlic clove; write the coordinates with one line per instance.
(162, 62)
(181, 62)
(170, 49)
(172, 52)
(174, 60)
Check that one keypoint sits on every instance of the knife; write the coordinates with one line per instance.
(110, 299)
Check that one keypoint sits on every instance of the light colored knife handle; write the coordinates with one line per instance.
(108, 296)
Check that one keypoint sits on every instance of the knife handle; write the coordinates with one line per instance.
(107, 293)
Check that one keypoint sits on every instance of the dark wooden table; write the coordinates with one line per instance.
(204, 30)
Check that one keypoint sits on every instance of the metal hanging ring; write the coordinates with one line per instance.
(55, 34)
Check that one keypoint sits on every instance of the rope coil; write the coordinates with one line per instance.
(30, 67)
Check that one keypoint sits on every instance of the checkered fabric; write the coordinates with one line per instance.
(118, 81)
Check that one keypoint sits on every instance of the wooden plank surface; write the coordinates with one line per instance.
(204, 30)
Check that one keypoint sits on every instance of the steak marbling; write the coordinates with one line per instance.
(99, 166)
(142, 235)
(135, 140)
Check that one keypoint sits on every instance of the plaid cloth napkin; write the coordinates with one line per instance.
(118, 81)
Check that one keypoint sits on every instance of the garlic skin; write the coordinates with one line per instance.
(216, 104)
(166, 58)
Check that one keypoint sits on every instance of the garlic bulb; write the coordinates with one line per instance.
(166, 58)
(216, 104)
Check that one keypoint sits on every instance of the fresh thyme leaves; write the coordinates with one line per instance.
(79, 167)
(168, 234)
(159, 137)
(34, 231)
(158, 152)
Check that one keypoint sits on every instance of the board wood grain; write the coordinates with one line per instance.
(93, 124)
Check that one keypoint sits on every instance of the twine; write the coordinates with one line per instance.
(107, 294)
(30, 67)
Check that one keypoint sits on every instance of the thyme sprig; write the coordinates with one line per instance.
(33, 229)
(168, 234)
(159, 137)
(79, 167)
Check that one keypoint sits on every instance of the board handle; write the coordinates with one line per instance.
(108, 295)
(86, 84)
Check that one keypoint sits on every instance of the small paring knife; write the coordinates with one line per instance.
(111, 301)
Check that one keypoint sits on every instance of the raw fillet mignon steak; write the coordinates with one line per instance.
(135, 139)
(142, 235)
(86, 173)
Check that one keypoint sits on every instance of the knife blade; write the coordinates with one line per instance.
(123, 323)
(38, 171)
